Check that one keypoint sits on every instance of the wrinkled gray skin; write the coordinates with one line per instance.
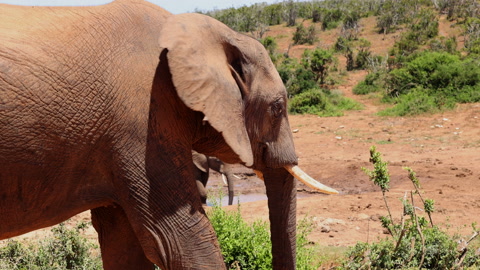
(203, 166)
(101, 107)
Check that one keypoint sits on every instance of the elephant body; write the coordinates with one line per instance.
(100, 108)
(203, 165)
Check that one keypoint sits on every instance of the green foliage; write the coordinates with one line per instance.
(312, 70)
(313, 101)
(472, 35)
(379, 175)
(422, 27)
(271, 46)
(443, 44)
(243, 245)
(318, 61)
(296, 77)
(370, 84)
(248, 246)
(66, 249)
(415, 242)
(427, 82)
(330, 18)
(321, 102)
(304, 35)
(356, 51)
(391, 14)
(417, 102)
(440, 75)
(307, 253)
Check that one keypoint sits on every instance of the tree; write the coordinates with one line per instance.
(291, 10)
(318, 61)
(304, 35)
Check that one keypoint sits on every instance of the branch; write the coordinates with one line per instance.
(420, 232)
(465, 249)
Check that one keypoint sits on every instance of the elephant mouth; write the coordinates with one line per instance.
(303, 177)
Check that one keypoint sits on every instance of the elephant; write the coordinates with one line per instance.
(100, 108)
(203, 164)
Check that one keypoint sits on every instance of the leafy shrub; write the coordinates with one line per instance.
(318, 61)
(296, 77)
(437, 74)
(427, 82)
(313, 101)
(321, 102)
(422, 27)
(248, 246)
(271, 46)
(313, 69)
(416, 102)
(304, 35)
(472, 35)
(443, 44)
(415, 242)
(66, 249)
(330, 18)
(370, 84)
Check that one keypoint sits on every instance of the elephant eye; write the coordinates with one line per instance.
(277, 108)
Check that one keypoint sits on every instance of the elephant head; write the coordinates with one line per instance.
(230, 80)
(203, 165)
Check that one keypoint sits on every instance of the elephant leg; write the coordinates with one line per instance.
(118, 243)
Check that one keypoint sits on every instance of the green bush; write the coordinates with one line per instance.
(304, 35)
(312, 71)
(330, 18)
(370, 84)
(415, 242)
(416, 102)
(296, 77)
(271, 46)
(319, 62)
(313, 101)
(428, 82)
(443, 44)
(321, 102)
(66, 249)
(248, 246)
(421, 28)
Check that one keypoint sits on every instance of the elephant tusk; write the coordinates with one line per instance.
(224, 178)
(309, 181)
(259, 175)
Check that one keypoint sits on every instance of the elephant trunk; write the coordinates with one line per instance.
(281, 192)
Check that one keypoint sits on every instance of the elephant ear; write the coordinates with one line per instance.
(201, 57)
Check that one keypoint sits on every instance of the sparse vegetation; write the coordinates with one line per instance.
(415, 241)
(67, 248)
(248, 246)
(416, 24)
(304, 35)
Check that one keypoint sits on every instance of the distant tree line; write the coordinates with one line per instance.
(309, 79)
